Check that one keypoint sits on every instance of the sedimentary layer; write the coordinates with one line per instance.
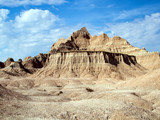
(88, 64)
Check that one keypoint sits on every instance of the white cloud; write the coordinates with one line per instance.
(137, 12)
(30, 2)
(40, 19)
(3, 27)
(140, 32)
(129, 14)
(3, 14)
(26, 34)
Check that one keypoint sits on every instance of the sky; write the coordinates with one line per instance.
(30, 27)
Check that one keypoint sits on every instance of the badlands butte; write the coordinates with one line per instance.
(82, 77)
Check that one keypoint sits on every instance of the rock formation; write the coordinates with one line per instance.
(20, 60)
(8, 61)
(81, 40)
(88, 64)
(2, 65)
(35, 62)
(120, 45)
(83, 54)
(23, 68)
(14, 69)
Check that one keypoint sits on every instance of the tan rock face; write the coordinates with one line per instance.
(86, 65)
(8, 61)
(23, 68)
(27, 58)
(16, 65)
(35, 62)
(14, 69)
(98, 42)
(115, 44)
(150, 60)
(63, 45)
(79, 40)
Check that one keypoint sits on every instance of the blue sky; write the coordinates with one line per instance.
(29, 27)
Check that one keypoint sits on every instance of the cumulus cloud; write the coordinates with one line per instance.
(3, 14)
(26, 34)
(30, 2)
(40, 19)
(140, 32)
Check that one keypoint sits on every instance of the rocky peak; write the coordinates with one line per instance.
(16, 65)
(27, 58)
(103, 37)
(117, 38)
(35, 62)
(83, 32)
(81, 38)
(97, 42)
(84, 29)
(8, 61)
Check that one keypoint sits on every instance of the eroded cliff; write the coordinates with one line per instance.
(82, 40)
(90, 64)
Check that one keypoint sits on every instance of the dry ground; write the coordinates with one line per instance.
(78, 99)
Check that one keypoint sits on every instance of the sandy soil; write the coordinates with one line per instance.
(74, 99)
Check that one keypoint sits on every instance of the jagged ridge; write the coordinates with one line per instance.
(82, 40)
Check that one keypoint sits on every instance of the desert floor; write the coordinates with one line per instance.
(78, 99)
